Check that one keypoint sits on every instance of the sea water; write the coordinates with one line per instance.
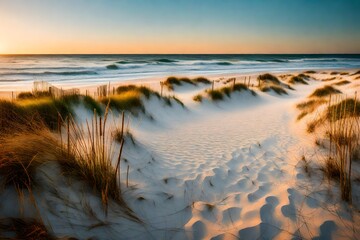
(17, 72)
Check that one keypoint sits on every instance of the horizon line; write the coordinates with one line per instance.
(24, 54)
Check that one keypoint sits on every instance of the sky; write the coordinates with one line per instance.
(179, 26)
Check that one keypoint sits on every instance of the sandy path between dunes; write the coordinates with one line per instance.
(230, 170)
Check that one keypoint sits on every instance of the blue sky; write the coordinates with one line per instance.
(182, 26)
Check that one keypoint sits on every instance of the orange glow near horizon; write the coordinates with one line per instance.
(141, 27)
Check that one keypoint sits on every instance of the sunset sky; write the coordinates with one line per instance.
(183, 26)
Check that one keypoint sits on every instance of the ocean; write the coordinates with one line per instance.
(19, 71)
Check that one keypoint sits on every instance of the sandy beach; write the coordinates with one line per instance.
(243, 166)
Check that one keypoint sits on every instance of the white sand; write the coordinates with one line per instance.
(223, 170)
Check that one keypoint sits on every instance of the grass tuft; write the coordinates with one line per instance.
(343, 82)
(297, 79)
(277, 89)
(147, 92)
(267, 77)
(325, 91)
(198, 98)
(92, 104)
(22, 153)
(215, 95)
(127, 101)
(344, 109)
(170, 82)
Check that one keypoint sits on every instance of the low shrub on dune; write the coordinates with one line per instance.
(325, 91)
(310, 72)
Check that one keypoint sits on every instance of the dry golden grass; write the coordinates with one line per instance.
(22, 153)
(170, 82)
(343, 82)
(325, 91)
(298, 80)
(341, 120)
(270, 87)
(85, 154)
(198, 98)
(309, 106)
(125, 101)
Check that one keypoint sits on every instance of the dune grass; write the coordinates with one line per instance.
(147, 92)
(92, 104)
(310, 72)
(346, 108)
(356, 73)
(341, 83)
(170, 82)
(267, 77)
(309, 106)
(90, 153)
(269, 82)
(215, 95)
(45, 110)
(32, 95)
(328, 79)
(344, 134)
(198, 98)
(201, 80)
(297, 79)
(129, 98)
(85, 154)
(11, 117)
(219, 94)
(23, 152)
(127, 101)
(277, 89)
(325, 91)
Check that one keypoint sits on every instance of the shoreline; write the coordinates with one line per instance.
(154, 82)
